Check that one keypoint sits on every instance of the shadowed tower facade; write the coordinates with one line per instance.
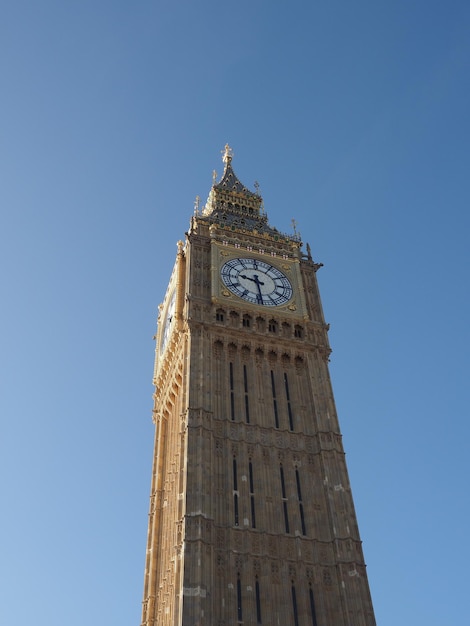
(251, 514)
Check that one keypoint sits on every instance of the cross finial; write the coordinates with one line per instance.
(196, 205)
(228, 154)
(257, 187)
(294, 226)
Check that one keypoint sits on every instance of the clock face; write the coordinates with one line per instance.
(168, 319)
(256, 281)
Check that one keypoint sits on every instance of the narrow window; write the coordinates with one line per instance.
(235, 508)
(312, 606)
(301, 506)
(247, 406)
(283, 484)
(272, 326)
(289, 408)
(302, 518)
(232, 394)
(235, 479)
(297, 478)
(247, 409)
(286, 516)
(253, 516)
(239, 599)
(219, 316)
(284, 500)
(298, 332)
(235, 318)
(235, 492)
(273, 387)
(232, 405)
(294, 606)
(252, 496)
(251, 477)
(258, 603)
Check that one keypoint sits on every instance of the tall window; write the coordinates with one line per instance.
(235, 492)
(294, 605)
(258, 603)
(284, 500)
(235, 508)
(289, 408)
(232, 394)
(273, 387)
(301, 506)
(312, 606)
(252, 496)
(247, 405)
(239, 599)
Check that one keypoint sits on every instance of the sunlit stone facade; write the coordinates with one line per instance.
(251, 513)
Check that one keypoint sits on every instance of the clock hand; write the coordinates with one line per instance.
(260, 296)
(258, 283)
(255, 279)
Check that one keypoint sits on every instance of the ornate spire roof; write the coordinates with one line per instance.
(230, 195)
(232, 206)
(229, 180)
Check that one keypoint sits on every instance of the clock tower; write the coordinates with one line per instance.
(251, 514)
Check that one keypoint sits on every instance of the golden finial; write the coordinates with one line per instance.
(228, 154)
(214, 177)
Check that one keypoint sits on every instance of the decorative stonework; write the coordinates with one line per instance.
(241, 391)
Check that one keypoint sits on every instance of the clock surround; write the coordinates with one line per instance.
(256, 281)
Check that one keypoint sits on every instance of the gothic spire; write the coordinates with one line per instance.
(229, 180)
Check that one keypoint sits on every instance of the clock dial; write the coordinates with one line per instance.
(256, 281)
(167, 322)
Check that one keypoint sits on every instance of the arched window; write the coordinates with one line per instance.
(272, 326)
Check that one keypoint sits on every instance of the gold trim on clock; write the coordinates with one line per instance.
(256, 281)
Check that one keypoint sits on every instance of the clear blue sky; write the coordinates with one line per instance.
(354, 118)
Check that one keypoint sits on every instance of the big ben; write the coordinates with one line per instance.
(251, 516)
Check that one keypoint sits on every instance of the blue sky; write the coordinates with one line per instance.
(354, 119)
